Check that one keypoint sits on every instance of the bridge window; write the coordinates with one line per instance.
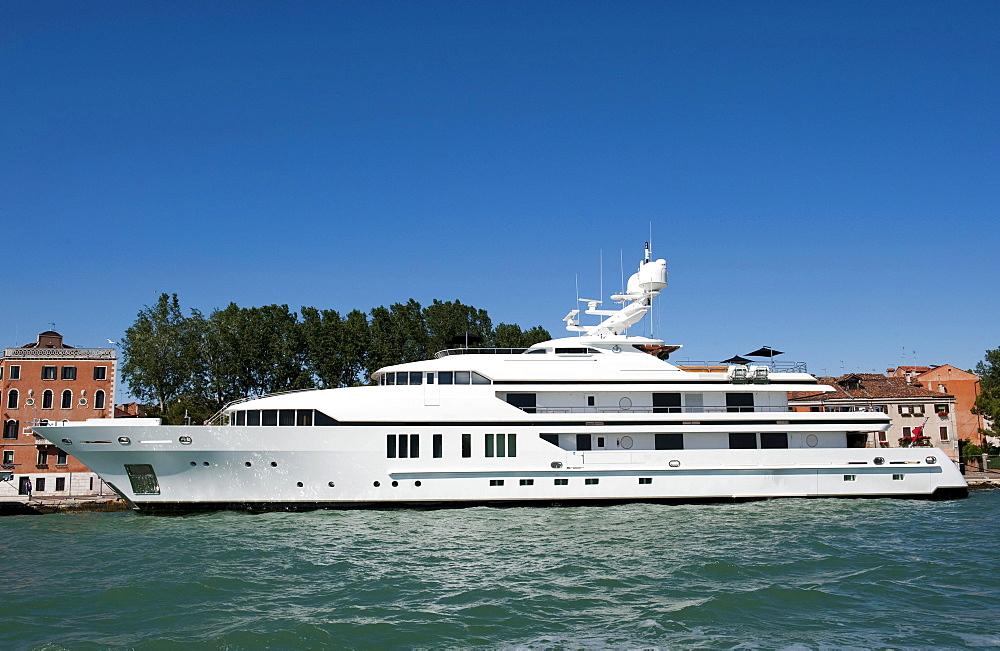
(664, 403)
(742, 441)
(739, 402)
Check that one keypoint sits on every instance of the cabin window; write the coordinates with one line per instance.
(269, 417)
(253, 417)
(319, 418)
(524, 401)
(241, 418)
(897, 477)
(446, 377)
(742, 441)
(664, 403)
(850, 477)
(583, 442)
(430, 378)
(773, 440)
(561, 482)
(466, 445)
(527, 482)
(489, 445)
(480, 379)
(304, 417)
(404, 447)
(463, 377)
(590, 481)
(437, 446)
(286, 417)
(416, 377)
(550, 438)
(591, 400)
(390, 446)
(739, 402)
(669, 441)
(645, 480)
(496, 482)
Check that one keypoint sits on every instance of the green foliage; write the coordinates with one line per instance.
(988, 400)
(191, 366)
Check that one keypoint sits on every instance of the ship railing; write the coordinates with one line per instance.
(643, 409)
(478, 351)
(705, 366)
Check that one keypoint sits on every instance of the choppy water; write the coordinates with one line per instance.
(854, 573)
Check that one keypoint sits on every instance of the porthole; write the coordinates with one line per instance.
(124, 440)
(299, 484)
(625, 403)
(556, 464)
(247, 464)
(376, 484)
(67, 442)
(616, 348)
(205, 463)
(812, 440)
(194, 463)
(626, 442)
(674, 463)
(185, 440)
(395, 484)
(417, 483)
(879, 461)
(331, 484)
(274, 464)
(931, 460)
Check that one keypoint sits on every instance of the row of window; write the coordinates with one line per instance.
(563, 481)
(883, 437)
(42, 460)
(49, 372)
(663, 403)
(407, 446)
(65, 400)
(737, 441)
(282, 417)
(441, 377)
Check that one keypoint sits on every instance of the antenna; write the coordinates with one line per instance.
(621, 264)
(601, 294)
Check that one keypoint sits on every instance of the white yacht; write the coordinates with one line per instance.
(596, 418)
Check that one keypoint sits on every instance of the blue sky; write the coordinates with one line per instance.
(823, 178)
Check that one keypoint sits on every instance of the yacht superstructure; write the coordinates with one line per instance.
(596, 418)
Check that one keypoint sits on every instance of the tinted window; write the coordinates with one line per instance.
(489, 445)
(304, 417)
(466, 445)
(253, 417)
(739, 402)
(322, 419)
(583, 442)
(463, 377)
(390, 446)
(269, 417)
(286, 417)
(479, 379)
(773, 440)
(669, 441)
(525, 401)
(666, 403)
(551, 438)
(742, 441)
(437, 446)
(241, 418)
(416, 377)
(446, 377)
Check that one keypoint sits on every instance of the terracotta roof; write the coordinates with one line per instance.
(866, 386)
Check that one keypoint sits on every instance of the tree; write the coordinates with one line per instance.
(510, 335)
(159, 353)
(335, 347)
(447, 321)
(988, 400)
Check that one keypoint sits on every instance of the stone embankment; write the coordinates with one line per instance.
(983, 480)
(43, 505)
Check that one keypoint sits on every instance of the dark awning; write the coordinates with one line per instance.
(764, 351)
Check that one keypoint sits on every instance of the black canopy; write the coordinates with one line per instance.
(764, 351)
(735, 359)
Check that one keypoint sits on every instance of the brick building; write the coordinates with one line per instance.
(908, 405)
(48, 380)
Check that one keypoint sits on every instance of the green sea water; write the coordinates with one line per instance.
(782, 573)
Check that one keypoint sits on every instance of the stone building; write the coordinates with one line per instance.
(949, 379)
(50, 381)
(908, 405)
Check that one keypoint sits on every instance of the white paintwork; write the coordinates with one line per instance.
(339, 465)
